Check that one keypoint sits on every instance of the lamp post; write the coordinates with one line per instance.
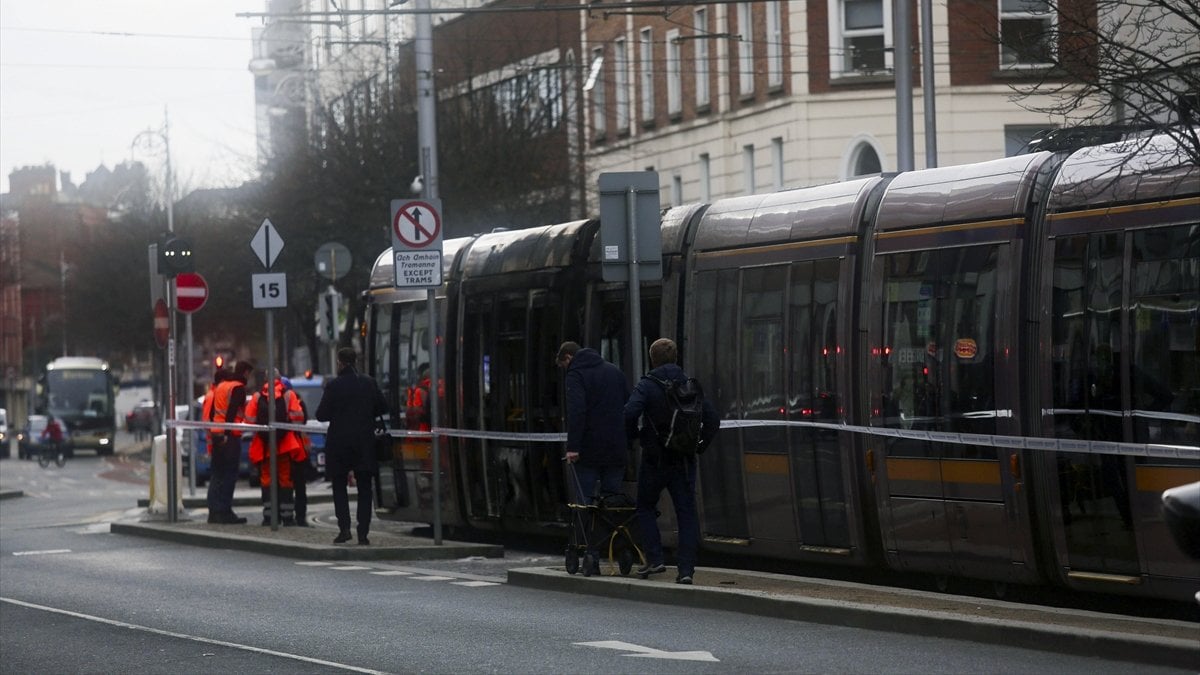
(164, 135)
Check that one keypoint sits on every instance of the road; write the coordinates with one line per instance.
(76, 598)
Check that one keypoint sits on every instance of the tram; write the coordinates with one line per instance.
(988, 371)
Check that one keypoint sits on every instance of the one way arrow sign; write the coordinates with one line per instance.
(650, 652)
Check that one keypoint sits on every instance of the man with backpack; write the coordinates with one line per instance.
(669, 414)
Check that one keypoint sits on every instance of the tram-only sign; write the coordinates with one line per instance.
(417, 243)
(418, 269)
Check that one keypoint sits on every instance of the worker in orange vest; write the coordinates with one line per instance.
(289, 448)
(229, 402)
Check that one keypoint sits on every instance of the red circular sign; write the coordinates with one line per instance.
(162, 323)
(417, 224)
(191, 291)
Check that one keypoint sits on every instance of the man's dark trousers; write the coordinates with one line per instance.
(226, 451)
(341, 500)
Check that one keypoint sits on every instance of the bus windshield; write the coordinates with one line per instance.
(78, 393)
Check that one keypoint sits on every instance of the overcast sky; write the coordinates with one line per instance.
(81, 79)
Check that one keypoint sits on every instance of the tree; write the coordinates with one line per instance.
(1132, 63)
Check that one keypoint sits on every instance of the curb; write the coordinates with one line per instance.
(10, 494)
(1030, 635)
(303, 550)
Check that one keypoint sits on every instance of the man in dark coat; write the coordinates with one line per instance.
(351, 403)
(659, 470)
(596, 443)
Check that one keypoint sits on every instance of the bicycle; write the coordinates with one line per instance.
(52, 452)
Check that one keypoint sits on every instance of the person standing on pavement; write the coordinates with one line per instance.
(663, 471)
(596, 444)
(229, 402)
(300, 460)
(351, 403)
(287, 447)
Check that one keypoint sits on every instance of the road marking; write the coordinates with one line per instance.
(432, 578)
(349, 567)
(44, 552)
(314, 563)
(474, 584)
(194, 638)
(650, 652)
(392, 573)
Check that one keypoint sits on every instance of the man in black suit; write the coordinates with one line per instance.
(351, 403)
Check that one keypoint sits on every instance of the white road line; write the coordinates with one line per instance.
(314, 563)
(432, 578)
(392, 573)
(194, 638)
(474, 584)
(44, 552)
(348, 567)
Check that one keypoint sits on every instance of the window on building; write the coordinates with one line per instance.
(646, 66)
(1017, 136)
(676, 189)
(860, 36)
(865, 161)
(774, 44)
(1026, 33)
(674, 76)
(599, 104)
(621, 83)
(777, 163)
(705, 177)
(701, 66)
(745, 50)
(748, 169)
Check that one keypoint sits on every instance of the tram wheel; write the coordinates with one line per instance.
(625, 562)
(572, 560)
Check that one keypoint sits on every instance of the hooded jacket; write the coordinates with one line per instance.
(596, 394)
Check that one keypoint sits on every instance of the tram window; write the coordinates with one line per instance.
(762, 352)
(938, 351)
(1086, 329)
(1165, 316)
(814, 349)
(381, 353)
(612, 327)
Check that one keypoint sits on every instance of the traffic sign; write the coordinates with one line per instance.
(332, 260)
(191, 292)
(416, 224)
(270, 290)
(266, 243)
(162, 323)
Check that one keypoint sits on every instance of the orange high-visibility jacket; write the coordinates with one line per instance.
(220, 407)
(288, 442)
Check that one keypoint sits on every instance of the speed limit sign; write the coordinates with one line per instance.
(269, 290)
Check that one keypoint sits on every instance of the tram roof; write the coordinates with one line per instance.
(1133, 170)
(800, 214)
(534, 248)
(1000, 188)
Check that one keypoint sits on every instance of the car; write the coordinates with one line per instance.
(143, 417)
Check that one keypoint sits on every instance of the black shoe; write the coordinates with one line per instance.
(685, 579)
(651, 568)
(363, 541)
(214, 518)
(234, 519)
(343, 537)
(266, 522)
(301, 522)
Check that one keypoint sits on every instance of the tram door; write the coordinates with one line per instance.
(1125, 329)
(940, 363)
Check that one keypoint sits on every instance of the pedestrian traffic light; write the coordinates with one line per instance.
(174, 256)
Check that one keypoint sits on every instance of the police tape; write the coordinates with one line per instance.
(1079, 446)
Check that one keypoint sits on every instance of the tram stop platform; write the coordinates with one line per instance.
(390, 540)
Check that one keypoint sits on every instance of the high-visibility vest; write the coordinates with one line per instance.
(288, 443)
(206, 410)
(221, 396)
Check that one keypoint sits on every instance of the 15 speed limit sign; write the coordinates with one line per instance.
(269, 290)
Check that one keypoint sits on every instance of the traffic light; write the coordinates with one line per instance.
(328, 319)
(174, 256)
(218, 361)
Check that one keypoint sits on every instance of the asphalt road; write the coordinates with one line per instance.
(75, 598)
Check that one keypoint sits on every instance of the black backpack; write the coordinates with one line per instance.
(685, 400)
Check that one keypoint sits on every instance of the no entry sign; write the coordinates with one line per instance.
(191, 292)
